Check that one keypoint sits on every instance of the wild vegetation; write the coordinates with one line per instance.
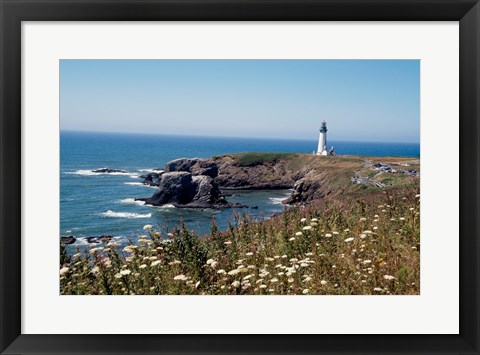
(356, 245)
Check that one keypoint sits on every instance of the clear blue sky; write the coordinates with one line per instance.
(362, 100)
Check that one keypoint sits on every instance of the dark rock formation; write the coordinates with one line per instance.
(105, 238)
(182, 189)
(182, 164)
(68, 240)
(195, 166)
(152, 179)
(108, 171)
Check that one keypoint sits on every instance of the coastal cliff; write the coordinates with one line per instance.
(199, 182)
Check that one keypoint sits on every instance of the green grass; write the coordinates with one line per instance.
(253, 158)
(350, 245)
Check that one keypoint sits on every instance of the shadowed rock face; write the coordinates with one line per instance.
(182, 189)
(195, 166)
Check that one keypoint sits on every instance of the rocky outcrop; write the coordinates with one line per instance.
(185, 190)
(260, 176)
(195, 166)
(67, 240)
(152, 179)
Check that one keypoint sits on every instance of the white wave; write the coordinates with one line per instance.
(166, 206)
(277, 200)
(91, 173)
(153, 170)
(139, 184)
(131, 201)
(112, 214)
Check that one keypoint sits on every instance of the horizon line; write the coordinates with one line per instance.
(237, 137)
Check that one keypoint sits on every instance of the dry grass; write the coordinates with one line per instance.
(352, 246)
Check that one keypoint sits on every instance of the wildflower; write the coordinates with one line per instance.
(292, 239)
(307, 228)
(233, 272)
(323, 282)
(346, 230)
(366, 262)
(348, 240)
(247, 277)
(263, 286)
(402, 218)
(313, 224)
(284, 257)
(118, 275)
(389, 277)
(236, 284)
(170, 235)
(308, 278)
(328, 235)
(175, 262)
(314, 220)
(95, 270)
(303, 220)
(227, 242)
(63, 270)
(363, 219)
(129, 249)
(125, 272)
(378, 289)
(290, 280)
(417, 196)
(298, 234)
(143, 266)
(305, 291)
(363, 236)
(221, 271)
(180, 277)
(209, 261)
(155, 263)
(367, 232)
(249, 254)
(147, 226)
(214, 265)
(335, 233)
(304, 265)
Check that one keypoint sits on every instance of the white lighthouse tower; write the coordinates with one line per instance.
(322, 140)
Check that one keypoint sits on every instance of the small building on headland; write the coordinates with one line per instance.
(322, 141)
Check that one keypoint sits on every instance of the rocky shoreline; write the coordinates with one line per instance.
(202, 182)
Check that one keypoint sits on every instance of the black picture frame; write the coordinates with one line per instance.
(13, 12)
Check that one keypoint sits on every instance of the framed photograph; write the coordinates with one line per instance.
(239, 177)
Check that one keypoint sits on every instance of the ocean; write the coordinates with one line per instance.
(93, 204)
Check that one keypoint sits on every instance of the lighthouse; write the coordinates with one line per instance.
(322, 140)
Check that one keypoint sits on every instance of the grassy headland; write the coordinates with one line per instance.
(363, 241)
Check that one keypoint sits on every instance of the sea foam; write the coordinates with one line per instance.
(112, 214)
(84, 172)
(131, 201)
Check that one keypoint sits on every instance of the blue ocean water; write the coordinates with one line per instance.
(94, 204)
